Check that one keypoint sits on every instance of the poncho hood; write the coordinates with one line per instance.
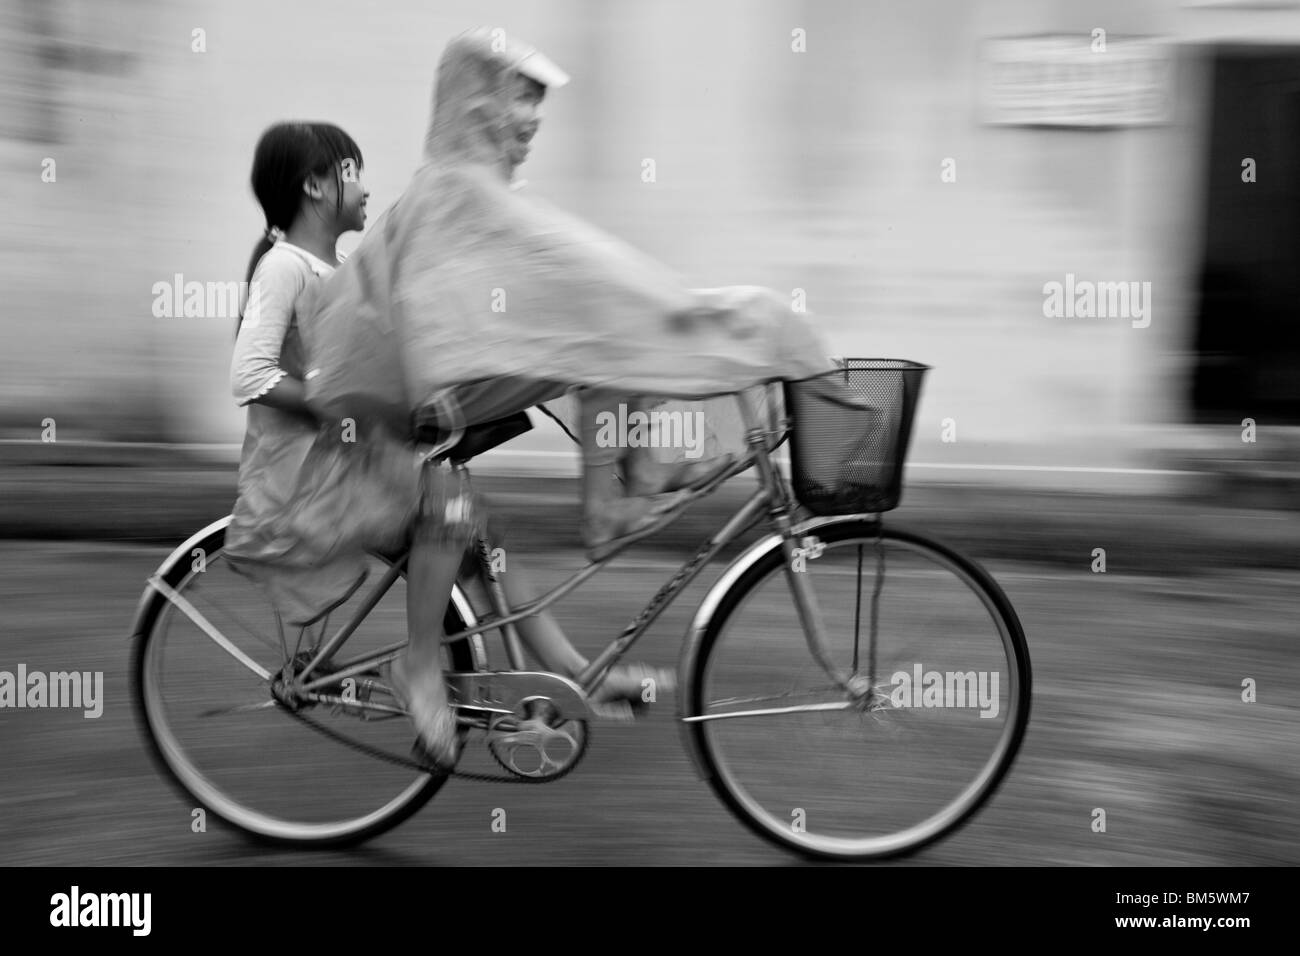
(471, 102)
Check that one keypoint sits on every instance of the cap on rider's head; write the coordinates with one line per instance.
(530, 61)
(536, 65)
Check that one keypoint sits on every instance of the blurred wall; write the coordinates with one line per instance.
(816, 170)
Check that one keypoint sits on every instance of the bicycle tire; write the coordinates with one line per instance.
(188, 780)
(746, 575)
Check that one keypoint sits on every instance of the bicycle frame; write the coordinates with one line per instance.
(772, 496)
(746, 610)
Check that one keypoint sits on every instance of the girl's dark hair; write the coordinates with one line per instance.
(285, 156)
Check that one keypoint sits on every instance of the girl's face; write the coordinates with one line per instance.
(348, 215)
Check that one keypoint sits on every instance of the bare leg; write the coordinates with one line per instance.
(547, 642)
(433, 563)
(541, 632)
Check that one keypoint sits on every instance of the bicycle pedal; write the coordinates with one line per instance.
(621, 711)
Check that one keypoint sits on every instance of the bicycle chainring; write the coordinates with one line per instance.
(534, 750)
(530, 748)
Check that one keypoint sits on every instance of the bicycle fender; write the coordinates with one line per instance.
(708, 608)
(181, 552)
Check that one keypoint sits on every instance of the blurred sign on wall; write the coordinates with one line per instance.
(1076, 80)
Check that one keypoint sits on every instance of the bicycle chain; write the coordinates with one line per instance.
(427, 768)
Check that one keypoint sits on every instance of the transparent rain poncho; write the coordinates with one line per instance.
(466, 281)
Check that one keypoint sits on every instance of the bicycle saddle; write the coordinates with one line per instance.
(477, 438)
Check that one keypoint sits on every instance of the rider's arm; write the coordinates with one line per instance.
(288, 395)
(255, 372)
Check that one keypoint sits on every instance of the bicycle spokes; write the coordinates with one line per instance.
(902, 748)
(248, 736)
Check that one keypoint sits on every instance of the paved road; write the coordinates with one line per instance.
(1137, 710)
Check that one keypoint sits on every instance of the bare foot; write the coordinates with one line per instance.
(418, 682)
(624, 687)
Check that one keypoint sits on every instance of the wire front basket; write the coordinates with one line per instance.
(852, 428)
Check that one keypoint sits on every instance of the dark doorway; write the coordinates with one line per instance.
(1248, 321)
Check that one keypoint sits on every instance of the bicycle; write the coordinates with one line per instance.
(798, 674)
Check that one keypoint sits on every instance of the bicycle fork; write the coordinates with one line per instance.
(805, 598)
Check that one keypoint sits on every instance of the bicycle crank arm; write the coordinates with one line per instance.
(511, 691)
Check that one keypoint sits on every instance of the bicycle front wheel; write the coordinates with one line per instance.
(209, 658)
(814, 769)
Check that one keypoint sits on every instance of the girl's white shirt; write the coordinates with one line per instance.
(279, 278)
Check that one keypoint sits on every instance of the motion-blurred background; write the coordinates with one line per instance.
(920, 171)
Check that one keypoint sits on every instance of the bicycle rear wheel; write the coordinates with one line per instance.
(803, 765)
(307, 776)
